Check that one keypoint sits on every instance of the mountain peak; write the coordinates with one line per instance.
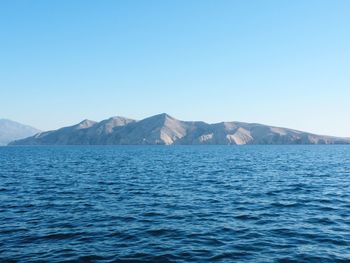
(119, 118)
(159, 119)
(115, 121)
(164, 116)
(86, 124)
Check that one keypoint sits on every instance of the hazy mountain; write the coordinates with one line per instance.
(164, 129)
(11, 130)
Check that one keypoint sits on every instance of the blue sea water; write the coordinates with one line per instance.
(175, 204)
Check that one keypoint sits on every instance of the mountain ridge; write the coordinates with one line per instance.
(163, 129)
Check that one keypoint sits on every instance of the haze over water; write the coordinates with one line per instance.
(175, 204)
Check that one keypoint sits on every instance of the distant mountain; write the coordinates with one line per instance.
(11, 130)
(163, 129)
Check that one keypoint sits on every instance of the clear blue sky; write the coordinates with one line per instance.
(284, 63)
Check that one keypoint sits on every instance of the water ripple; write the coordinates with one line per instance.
(175, 204)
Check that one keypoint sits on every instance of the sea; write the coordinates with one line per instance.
(283, 203)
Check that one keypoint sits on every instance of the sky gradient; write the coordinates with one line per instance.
(283, 63)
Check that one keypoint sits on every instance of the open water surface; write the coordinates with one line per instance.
(175, 204)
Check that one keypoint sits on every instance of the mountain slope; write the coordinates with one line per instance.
(11, 130)
(84, 133)
(158, 129)
(72, 135)
(165, 130)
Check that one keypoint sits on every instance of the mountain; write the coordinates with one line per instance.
(11, 130)
(163, 129)
(84, 133)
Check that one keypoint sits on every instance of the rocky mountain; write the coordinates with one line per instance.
(11, 130)
(163, 129)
